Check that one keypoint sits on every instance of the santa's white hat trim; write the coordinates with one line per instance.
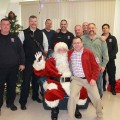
(66, 87)
(52, 104)
(82, 101)
(39, 65)
(60, 45)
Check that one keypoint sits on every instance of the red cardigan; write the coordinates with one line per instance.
(90, 67)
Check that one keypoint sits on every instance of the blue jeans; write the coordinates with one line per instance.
(100, 83)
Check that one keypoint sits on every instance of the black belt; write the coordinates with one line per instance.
(61, 79)
(83, 77)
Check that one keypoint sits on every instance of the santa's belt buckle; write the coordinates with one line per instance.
(62, 79)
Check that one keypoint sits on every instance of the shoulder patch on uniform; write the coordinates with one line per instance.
(12, 39)
(110, 40)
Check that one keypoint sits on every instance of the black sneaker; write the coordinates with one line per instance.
(37, 99)
(0, 111)
(23, 107)
(113, 89)
(104, 88)
(54, 113)
(78, 115)
(113, 92)
(12, 107)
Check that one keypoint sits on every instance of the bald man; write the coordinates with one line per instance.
(84, 27)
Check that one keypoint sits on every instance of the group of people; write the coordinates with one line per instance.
(77, 61)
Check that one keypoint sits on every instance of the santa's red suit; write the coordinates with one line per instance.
(56, 90)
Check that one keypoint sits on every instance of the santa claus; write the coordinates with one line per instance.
(58, 75)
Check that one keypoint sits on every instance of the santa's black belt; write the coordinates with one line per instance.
(61, 79)
(83, 77)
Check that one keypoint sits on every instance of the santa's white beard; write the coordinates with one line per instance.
(62, 64)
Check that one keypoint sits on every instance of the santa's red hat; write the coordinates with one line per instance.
(60, 45)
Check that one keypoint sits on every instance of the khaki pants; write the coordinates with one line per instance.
(93, 94)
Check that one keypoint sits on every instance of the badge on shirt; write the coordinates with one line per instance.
(110, 40)
(58, 37)
(12, 40)
(68, 37)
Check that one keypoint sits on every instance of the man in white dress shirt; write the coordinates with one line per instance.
(33, 40)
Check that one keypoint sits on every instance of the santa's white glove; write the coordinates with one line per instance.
(38, 56)
(39, 62)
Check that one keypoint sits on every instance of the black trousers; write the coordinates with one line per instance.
(28, 75)
(10, 76)
(111, 70)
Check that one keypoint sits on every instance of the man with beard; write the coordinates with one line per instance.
(92, 42)
(63, 35)
(33, 40)
(58, 75)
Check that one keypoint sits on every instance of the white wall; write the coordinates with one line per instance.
(116, 32)
(3, 7)
(97, 11)
(11, 5)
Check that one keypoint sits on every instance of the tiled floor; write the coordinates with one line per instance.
(35, 110)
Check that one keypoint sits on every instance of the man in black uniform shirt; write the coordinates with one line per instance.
(64, 35)
(31, 37)
(112, 51)
(12, 59)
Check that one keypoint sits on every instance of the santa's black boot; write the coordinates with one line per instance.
(78, 115)
(54, 113)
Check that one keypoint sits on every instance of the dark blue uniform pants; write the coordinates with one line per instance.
(28, 75)
(111, 70)
(10, 76)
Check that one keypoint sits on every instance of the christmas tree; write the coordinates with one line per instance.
(15, 28)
